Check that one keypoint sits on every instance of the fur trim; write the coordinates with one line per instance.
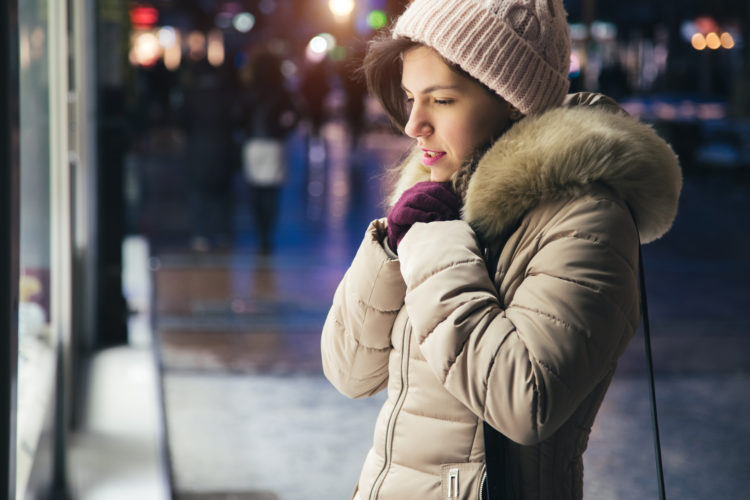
(559, 154)
(411, 172)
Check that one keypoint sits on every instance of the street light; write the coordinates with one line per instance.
(319, 47)
(341, 9)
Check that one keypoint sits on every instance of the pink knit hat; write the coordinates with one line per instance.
(518, 48)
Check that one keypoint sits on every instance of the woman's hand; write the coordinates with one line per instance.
(427, 201)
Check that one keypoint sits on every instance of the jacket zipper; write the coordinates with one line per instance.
(396, 409)
(483, 485)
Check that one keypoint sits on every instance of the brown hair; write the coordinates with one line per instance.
(383, 65)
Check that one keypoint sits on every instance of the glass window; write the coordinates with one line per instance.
(36, 351)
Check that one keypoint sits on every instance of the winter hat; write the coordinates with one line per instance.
(518, 48)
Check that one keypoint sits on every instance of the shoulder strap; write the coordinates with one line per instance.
(650, 367)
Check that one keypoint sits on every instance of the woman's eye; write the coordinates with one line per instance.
(408, 104)
(443, 101)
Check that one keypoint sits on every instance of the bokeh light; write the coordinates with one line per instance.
(215, 52)
(575, 65)
(144, 16)
(341, 8)
(712, 41)
(196, 45)
(319, 46)
(167, 36)
(241, 59)
(173, 54)
(727, 41)
(698, 41)
(289, 69)
(377, 19)
(337, 53)
(243, 22)
(146, 49)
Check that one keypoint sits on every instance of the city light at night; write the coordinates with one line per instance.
(243, 22)
(377, 19)
(341, 8)
(167, 36)
(215, 50)
(196, 45)
(727, 41)
(145, 49)
(712, 41)
(144, 16)
(319, 46)
(698, 41)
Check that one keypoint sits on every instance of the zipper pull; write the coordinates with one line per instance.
(453, 483)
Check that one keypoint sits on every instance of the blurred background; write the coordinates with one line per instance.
(163, 290)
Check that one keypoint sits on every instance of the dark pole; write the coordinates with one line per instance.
(113, 132)
(9, 242)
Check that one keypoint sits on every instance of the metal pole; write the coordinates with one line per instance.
(60, 237)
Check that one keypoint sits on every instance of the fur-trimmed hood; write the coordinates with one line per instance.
(560, 153)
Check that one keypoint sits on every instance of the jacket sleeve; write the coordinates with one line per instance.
(525, 366)
(356, 339)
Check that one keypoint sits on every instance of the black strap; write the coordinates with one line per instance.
(651, 385)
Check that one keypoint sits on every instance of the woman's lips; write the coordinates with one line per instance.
(429, 158)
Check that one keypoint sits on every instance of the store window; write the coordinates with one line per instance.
(36, 345)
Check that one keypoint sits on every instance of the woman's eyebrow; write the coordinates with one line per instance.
(433, 88)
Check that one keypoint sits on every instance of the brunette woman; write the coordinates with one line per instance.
(501, 289)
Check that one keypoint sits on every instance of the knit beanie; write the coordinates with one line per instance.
(518, 48)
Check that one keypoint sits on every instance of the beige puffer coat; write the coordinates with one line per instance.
(532, 351)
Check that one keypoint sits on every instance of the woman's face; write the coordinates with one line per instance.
(450, 115)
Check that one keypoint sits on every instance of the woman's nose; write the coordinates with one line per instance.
(418, 124)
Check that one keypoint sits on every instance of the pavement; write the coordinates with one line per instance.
(249, 414)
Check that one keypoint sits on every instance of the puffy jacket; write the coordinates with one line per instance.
(531, 346)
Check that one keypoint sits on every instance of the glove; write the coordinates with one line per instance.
(427, 201)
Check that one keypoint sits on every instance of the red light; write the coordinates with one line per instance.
(706, 25)
(144, 16)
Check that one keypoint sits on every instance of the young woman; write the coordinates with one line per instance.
(502, 287)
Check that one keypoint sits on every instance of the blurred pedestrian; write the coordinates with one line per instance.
(355, 92)
(269, 116)
(209, 166)
(494, 300)
(314, 89)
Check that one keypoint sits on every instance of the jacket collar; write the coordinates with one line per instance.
(561, 153)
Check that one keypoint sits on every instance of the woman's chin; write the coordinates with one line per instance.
(440, 174)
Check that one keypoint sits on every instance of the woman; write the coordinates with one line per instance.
(549, 195)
